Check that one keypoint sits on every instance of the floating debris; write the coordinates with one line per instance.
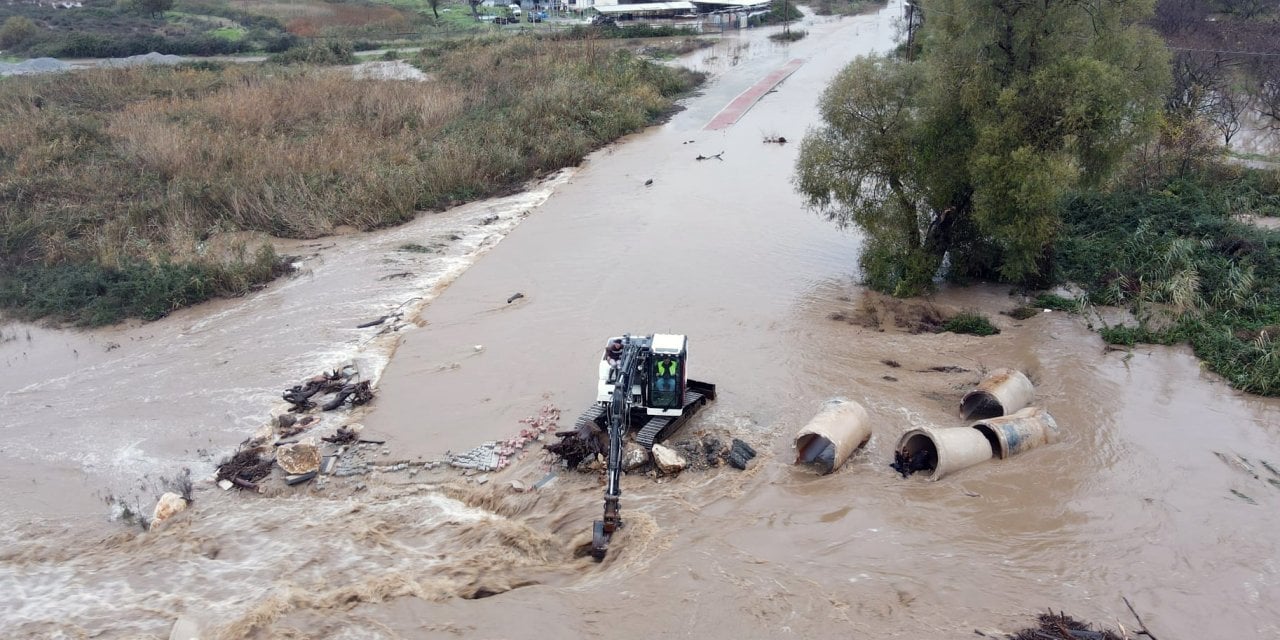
(1061, 626)
(245, 468)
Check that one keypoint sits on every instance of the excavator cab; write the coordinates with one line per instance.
(666, 375)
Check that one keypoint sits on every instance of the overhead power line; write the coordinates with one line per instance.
(1235, 53)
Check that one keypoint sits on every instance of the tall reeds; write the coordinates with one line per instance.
(120, 167)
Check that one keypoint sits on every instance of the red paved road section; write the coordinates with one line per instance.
(748, 98)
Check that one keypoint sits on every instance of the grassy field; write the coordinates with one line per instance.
(117, 184)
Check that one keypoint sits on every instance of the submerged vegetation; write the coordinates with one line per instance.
(1191, 271)
(120, 187)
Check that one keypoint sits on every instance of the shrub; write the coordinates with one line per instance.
(790, 35)
(970, 323)
(317, 53)
(16, 31)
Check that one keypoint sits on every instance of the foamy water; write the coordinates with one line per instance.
(116, 405)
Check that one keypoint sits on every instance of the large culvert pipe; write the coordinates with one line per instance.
(1001, 393)
(1026, 429)
(839, 429)
(939, 452)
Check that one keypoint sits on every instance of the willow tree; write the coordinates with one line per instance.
(967, 151)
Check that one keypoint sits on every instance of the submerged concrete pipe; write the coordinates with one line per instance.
(839, 429)
(1026, 429)
(1001, 393)
(942, 451)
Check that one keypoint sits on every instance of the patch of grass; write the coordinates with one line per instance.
(970, 323)
(232, 34)
(790, 35)
(1057, 303)
(114, 183)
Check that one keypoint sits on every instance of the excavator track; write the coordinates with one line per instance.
(654, 429)
(659, 428)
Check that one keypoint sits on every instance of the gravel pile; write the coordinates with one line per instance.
(396, 70)
(34, 65)
(146, 58)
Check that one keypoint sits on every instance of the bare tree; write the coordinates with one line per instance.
(1225, 110)
(435, 7)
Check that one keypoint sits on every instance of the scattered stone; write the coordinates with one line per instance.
(298, 458)
(482, 479)
(518, 487)
(169, 505)
(634, 457)
(225, 485)
(740, 453)
(648, 182)
(714, 450)
(668, 460)
(891, 363)
(889, 378)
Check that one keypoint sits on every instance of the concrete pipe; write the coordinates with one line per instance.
(1026, 429)
(839, 429)
(1001, 393)
(942, 451)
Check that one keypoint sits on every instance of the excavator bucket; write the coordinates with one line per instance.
(599, 541)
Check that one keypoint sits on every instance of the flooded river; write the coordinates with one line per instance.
(1132, 503)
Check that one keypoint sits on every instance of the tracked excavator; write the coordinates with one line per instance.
(643, 388)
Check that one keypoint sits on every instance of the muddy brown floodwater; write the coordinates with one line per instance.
(1133, 502)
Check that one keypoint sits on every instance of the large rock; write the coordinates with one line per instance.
(634, 457)
(300, 457)
(169, 505)
(668, 460)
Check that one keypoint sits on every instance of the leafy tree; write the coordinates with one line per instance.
(15, 31)
(966, 151)
(153, 7)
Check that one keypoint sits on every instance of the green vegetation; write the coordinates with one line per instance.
(1056, 303)
(967, 150)
(843, 7)
(119, 188)
(971, 323)
(233, 34)
(105, 28)
(324, 53)
(780, 11)
(1190, 272)
(790, 35)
